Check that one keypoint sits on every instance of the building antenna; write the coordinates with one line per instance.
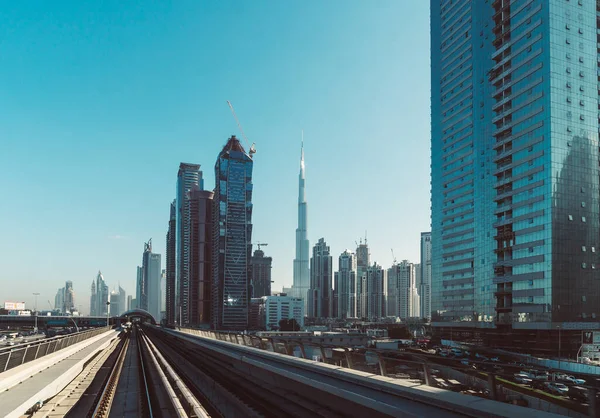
(252, 149)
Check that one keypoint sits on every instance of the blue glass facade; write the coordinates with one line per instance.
(515, 162)
(232, 237)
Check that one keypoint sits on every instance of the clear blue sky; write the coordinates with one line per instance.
(100, 101)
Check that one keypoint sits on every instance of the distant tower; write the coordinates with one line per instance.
(170, 266)
(301, 270)
(345, 286)
(363, 259)
(93, 303)
(69, 298)
(320, 294)
(101, 295)
(424, 285)
(150, 284)
(376, 290)
(261, 274)
(200, 267)
(189, 175)
(232, 226)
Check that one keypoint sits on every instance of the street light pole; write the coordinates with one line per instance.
(36, 313)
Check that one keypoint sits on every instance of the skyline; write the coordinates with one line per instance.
(344, 84)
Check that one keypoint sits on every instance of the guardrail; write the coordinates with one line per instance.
(16, 355)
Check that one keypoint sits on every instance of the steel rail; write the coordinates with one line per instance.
(108, 393)
(188, 396)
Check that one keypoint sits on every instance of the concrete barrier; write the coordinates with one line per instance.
(20, 373)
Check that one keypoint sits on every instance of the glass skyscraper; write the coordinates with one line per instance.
(188, 176)
(320, 294)
(232, 237)
(515, 198)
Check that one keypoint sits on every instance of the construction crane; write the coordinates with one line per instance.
(394, 257)
(252, 149)
(259, 244)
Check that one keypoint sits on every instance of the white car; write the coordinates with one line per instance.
(573, 379)
(522, 378)
(558, 388)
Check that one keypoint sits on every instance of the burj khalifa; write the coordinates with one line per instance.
(301, 271)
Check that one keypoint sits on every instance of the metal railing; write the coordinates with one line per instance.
(22, 353)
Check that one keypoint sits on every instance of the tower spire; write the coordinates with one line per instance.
(302, 147)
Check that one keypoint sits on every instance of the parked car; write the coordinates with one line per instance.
(557, 388)
(522, 378)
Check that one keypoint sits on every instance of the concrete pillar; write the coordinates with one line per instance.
(492, 386)
(592, 402)
(349, 360)
(382, 368)
(427, 374)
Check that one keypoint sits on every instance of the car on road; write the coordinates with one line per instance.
(464, 362)
(495, 359)
(557, 388)
(535, 374)
(572, 380)
(522, 378)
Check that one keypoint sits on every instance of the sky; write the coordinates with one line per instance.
(101, 101)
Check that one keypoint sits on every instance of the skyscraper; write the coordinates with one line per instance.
(93, 302)
(301, 270)
(260, 268)
(424, 284)
(163, 294)
(122, 300)
(201, 231)
(188, 176)
(376, 290)
(59, 300)
(114, 303)
(232, 237)
(363, 259)
(320, 294)
(515, 165)
(149, 298)
(402, 296)
(101, 295)
(139, 286)
(170, 267)
(69, 297)
(345, 286)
